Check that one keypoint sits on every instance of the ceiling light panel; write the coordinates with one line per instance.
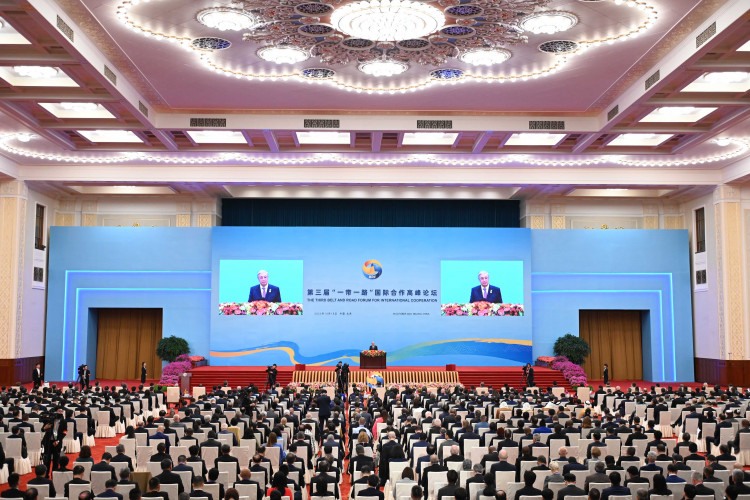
(9, 36)
(104, 136)
(323, 137)
(216, 137)
(677, 114)
(639, 139)
(429, 139)
(121, 189)
(76, 110)
(726, 81)
(745, 47)
(36, 76)
(534, 139)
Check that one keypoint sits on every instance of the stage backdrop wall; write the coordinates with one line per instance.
(558, 272)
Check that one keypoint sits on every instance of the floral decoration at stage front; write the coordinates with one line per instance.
(482, 309)
(372, 354)
(260, 308)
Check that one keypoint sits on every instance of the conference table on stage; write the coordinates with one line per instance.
(372, 360)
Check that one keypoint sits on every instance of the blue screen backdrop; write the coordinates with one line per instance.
(180, 271)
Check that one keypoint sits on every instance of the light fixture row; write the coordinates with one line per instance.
(741, 147)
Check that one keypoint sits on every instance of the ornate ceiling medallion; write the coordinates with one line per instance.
(419, 35)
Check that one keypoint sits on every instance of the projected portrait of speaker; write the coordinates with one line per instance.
(263, 290)
(485, 292)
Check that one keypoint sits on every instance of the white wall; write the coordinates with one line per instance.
(34, 312)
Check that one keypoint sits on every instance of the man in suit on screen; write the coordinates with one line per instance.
(264, 291)
(485, 292)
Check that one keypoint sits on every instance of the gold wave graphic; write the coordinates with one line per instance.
(290, 352)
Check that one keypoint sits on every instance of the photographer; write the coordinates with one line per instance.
(271, 380)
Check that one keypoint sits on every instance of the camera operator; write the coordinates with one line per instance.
(271, 380)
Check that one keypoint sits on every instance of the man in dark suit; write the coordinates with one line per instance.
(14, 492)
(528, 490)
(327, 478)
(41, 473)
(324, 409)
(37, 376)
(570, 488)
(372, 490)
(246, 478)
(616, 488)
(357, 462)
(264, 291)
(198, 489)
(485, 292)
(169, 477)
(104, 466)
(78, 471)
(125, 480)
(121, 458)
(110, 492)
(449, 490)
(225, 457)
(433, 467)
(373, 347)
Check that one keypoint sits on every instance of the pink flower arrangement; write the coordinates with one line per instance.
(481, 309)
(572, 372)
(260, 308)
(170, 374)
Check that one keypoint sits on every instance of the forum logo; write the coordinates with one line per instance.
(372, 269)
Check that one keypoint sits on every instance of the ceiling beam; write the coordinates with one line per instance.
(481, 141)
(699, 99)
(584, 142)
(23, 56)
(249, 139)
(376, 139)
(271, 140)
(43, 94)
(166, 139)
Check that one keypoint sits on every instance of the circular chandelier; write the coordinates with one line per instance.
(226, 19)
(549, 22)
(485, 57)
(283, 54)
(387, 20)
(383, 68)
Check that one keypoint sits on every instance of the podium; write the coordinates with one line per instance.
(372, 360)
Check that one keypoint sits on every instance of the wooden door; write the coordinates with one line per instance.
(615, 338)
(125, 339)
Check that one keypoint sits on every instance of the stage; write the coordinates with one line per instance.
(491, 376)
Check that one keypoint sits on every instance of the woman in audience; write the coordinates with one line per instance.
(364, 439)
(407, 477)
(232, 494)
(272, 441)
(129, 432)
(85, 454)
(660, 486)
(278, 483)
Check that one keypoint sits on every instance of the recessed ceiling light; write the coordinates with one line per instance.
(9, 36)
(635, 139)
(485, 57)
(283, 54)
(226, 19)
(723, 81)
(36, 76)
(24, 136)
(323, 137)
(534, 139)
(102, 136)
(429, 138)
(76, 110)
(620, 193)
(216, 136)
(121, 189)
(36, 71)
(549, 22)
(383, 68)
(677, 114)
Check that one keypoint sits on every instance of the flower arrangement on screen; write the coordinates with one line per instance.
(373, 354)
(482, 309)
(572, 372)
(260, 308)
